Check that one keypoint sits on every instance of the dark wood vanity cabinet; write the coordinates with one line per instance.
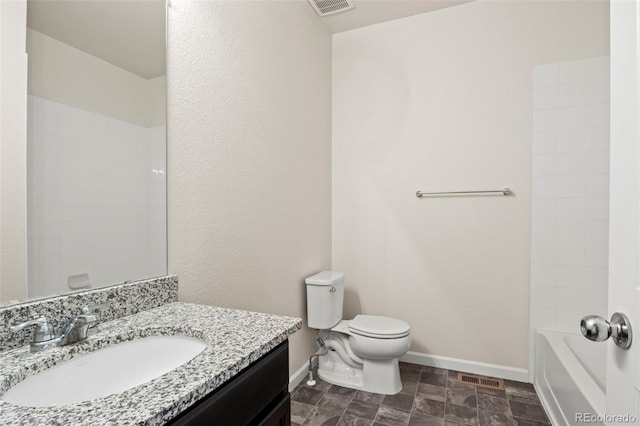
(258, 395)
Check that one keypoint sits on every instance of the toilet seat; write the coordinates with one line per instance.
(378, 327)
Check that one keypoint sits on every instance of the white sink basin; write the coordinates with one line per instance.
(104, 372)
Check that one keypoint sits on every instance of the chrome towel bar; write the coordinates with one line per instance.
(505, 191)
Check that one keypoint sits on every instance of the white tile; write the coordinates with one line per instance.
(571, 209)
(544, 164)
(568, 321)
(571, 253)
(596, 208)
(571, 231)
(597, 185)
(596, 254)
(543, 252)
(545, 120)
(597, 138)
(597, 115)
(569, 118)
(572, 140)
(544, 275)
(544, 231)
(596, 277)
(597, 232)
(545, 142)
(545, 98)
(545, 76)
(569, 299)
(596, 162)
(543, 297)
(574, 72)
(570, 276)
(598, 92)
(595, 302)
(572, 95)
(544, 186)
(544, 209)
(572, 186)
(571, 163)
(598, 68)
(543, 318)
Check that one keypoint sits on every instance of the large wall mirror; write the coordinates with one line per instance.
(96, 144)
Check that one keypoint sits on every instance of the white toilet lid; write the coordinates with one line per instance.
(377, 326)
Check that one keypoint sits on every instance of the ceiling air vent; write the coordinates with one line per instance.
(331, 7)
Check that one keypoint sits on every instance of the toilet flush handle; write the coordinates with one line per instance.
(333, 290)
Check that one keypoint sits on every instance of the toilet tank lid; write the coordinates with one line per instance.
(325, 278)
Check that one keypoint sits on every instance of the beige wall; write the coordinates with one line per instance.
(13, 151)
(249, 150)
(69, 76)
(443, 101)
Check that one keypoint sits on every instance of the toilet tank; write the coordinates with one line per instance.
(325, 295)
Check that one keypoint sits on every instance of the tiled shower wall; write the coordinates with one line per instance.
(570, 205)
(96, 198)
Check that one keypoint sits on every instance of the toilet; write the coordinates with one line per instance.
(362, 352)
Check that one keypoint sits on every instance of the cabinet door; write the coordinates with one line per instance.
(280, 415)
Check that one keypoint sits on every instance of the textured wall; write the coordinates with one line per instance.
(435, 102)
(249, 150)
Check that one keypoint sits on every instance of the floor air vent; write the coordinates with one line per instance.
(480, 381)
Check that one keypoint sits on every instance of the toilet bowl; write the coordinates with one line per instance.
(363, 352)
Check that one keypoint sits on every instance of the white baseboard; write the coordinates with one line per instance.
(474, 367)
(298, 376)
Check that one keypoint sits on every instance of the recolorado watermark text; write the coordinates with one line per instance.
(606, 418)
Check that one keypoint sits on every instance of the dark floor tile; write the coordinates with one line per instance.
(500, 393)
(495, 419)
(452, 376)
(307, 395)
(412, 374)
(363, 409)
(409, 366)
(334, 401)
(400, 401)
(433, 378)
(424, 405)
(410, 384)
(437, 393)
(446, 423)
(461, 394)
(461, 414)
(435, 370)
(527, 396)
(347, 420)
(526, 422)
(376, 398)
(322, 417)
(300, 411)
(418, 419)
(493, 404)
(295, 424)
(528, 411)
(392, 416)
(521, 385)
(342, 390)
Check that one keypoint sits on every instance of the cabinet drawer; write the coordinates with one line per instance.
(240, 400)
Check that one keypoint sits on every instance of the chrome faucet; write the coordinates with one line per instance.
(74, 330)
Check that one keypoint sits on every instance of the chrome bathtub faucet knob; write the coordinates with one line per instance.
(599, 329)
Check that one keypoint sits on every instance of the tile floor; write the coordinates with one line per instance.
(430, 396)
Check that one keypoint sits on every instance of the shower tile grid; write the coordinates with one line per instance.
(430, 396)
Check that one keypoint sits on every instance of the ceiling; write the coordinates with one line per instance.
(129, 34)
(369, 12)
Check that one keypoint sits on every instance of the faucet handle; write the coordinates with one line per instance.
(43, 332)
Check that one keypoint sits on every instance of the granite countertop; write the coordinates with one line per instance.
(234, 340)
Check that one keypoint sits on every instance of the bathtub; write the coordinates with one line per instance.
(570, 376)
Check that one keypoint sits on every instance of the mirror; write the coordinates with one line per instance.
(96, 144)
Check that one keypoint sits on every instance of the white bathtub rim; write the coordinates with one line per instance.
(583, 380)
